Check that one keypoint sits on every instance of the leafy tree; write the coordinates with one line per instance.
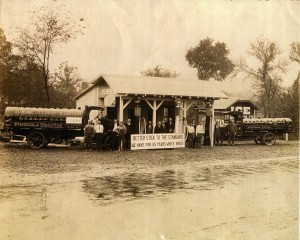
(291, 98)
(65, 85)
(211, 60)
(5, 52)
(20, 78)
(23, 85)
(266, 71)
(295, 54)
(46, 29)
(158, 71)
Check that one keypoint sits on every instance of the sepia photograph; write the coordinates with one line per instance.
(149, 119)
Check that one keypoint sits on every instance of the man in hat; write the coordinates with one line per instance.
(89, 133)
(231, 130)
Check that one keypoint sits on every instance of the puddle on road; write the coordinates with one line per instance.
(134, 185)
(130, 186)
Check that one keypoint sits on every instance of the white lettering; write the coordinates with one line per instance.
(157, 141)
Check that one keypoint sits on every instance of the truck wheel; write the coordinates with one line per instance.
(108, 142)
(269, 139)
(36, 140)
(257, 140)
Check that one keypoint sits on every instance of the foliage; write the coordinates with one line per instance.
(47, 28)
(23, 85)
(65, 85)
(211, 60)
(295, 55)
(266, 71)
(295, 52)
(158, 71)
(5, 51)
(20, 78)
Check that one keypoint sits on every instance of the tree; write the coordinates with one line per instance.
(65, 85)
(46, 29)
(211, 60)
(158, 71)
(23, 83)
(295, 54)
(266, 71)
(5, 52)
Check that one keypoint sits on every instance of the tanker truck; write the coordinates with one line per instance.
(41, 126)
(262, 130)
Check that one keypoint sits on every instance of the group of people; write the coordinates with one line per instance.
(92, 130)
(164, 126)
(121, 133)
(196, 133)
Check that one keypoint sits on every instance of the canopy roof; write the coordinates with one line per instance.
(157, 86)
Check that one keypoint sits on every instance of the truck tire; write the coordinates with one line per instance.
(269, 139)
(36, 140)
(108, 142)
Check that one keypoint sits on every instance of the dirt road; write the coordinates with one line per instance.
(245, 191)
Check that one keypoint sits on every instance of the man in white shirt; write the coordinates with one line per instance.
(114, 136)
(200, 133)
(99, 129)
(191, 135)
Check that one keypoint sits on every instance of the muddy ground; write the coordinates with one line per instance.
(245, 191)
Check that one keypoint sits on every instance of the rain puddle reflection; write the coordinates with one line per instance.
(134, 185)
(129, 186)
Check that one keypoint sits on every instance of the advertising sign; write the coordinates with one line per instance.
(73, 120)
(157, 141)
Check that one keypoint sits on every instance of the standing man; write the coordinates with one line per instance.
(231, 130)
(114, 135)
(130, 130)
(89, 133)
(200, 133)
(217, 133)
(99, 129)
(121, 132)
(191, 135)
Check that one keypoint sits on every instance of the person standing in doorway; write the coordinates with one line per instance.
(99, 129)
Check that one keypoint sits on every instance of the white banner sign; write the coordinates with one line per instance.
(73, 120)
(157, 141)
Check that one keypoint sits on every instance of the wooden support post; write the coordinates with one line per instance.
(121, 109)
(154, 114)
(212, 124)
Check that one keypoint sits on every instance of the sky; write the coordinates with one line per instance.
(126, 37)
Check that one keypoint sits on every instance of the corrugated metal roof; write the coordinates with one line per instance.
(121, 84)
